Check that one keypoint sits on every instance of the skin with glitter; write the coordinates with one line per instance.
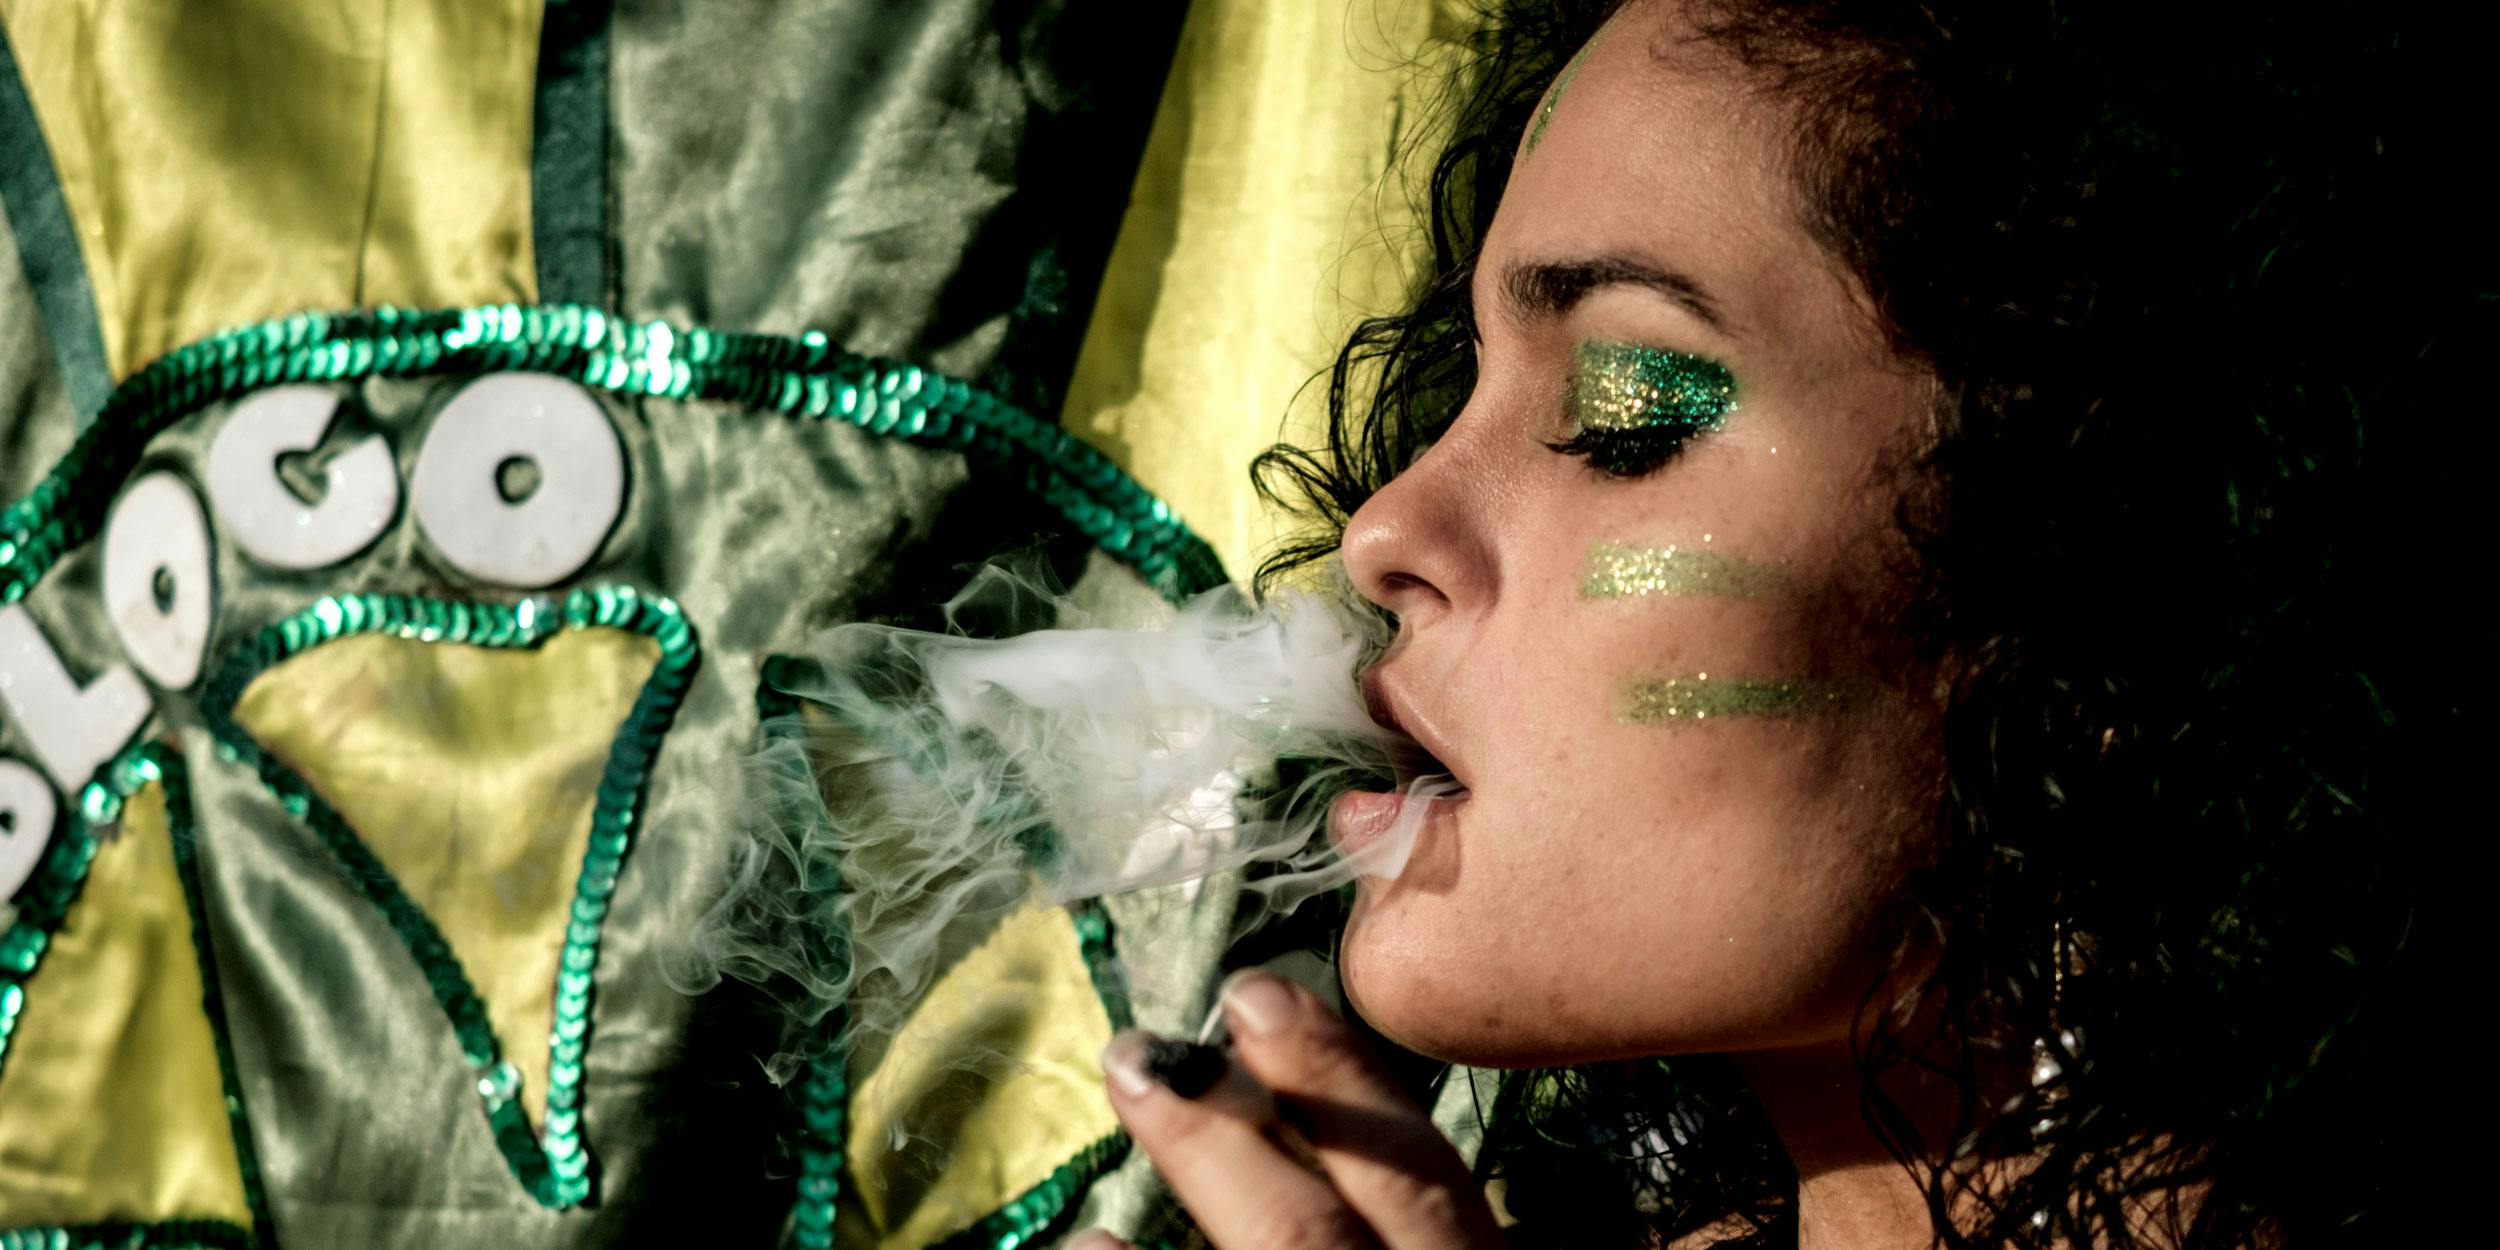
(1683, 884)
(1672, 700)
(1625, 386)
(1545, 114)
(1624, 571)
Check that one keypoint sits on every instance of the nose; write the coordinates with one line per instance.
(1421, 546)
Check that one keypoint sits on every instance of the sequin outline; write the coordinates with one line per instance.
(168, 1235)
(800, 376)
(553, 1163)
(44, 901)
(824, 1093)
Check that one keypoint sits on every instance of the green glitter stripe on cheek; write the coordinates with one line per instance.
(1625, 386)
(1623, 571)
(1677, 700)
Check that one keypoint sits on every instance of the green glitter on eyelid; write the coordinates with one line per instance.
(1622, 571)
(1675, 700)
(1623, 386)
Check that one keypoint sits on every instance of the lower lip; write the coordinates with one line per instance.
(1360, 817)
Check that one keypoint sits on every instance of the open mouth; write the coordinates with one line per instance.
(1415, 769)
(1377, 829)
(1414, 753)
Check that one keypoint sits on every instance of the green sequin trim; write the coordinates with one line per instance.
(172, 1235)
(803, 376)
(187, 866)
(824, 1111)
(44, 902)
(1040, 1213)
(41, 903)
(1102, 961)
(552, 1162)
(824, 1092)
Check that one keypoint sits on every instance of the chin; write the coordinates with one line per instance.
(1435, 981)
(1410, 990)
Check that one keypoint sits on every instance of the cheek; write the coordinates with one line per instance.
(1616, 890)
(1697, 906)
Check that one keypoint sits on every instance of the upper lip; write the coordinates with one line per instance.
(1385, 698)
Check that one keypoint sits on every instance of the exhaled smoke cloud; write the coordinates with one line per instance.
(924, 780)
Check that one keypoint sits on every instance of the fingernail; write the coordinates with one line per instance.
(1186, 1068)
(1124, 1062)
(1258, 1001)
(1096, 1239)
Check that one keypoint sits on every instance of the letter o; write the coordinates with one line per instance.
(265, 519)
(548, 536)
(26, 811)
(158, 587)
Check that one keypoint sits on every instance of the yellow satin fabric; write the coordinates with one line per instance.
(471, 773)
(1263, 223)
(111, 1107)
(999, 1063)
(231, 160)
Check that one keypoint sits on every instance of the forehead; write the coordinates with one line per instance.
(1659, 149)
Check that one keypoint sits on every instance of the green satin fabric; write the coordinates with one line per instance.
(369, 1132)
(999, 1060)
(52, 266)
(369, 1135)
(470, 772)
(1195, 362)
(36, 422)
(938, 186)
(110, 1102)
(907, 179)
(236, 160)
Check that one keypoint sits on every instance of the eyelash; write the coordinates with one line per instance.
(1645, 405)
(1630, 454)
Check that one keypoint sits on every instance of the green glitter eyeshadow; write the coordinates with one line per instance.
(1622, 571)
(1675, 700)
(1622, 386)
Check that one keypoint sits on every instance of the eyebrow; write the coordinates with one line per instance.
(1542, 290)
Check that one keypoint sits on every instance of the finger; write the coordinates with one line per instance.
(1097, 1239)
(1243, 1190)
(1394, 1168)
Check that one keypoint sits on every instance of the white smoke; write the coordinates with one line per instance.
(931, 778)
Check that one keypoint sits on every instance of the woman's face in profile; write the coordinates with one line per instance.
(1664, 658)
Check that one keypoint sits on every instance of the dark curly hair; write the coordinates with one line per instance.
(2182, 277)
